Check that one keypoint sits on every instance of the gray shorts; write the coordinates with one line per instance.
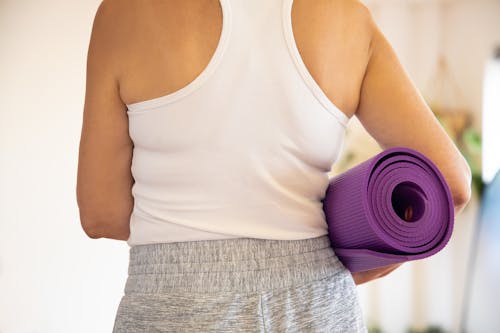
(238, 285)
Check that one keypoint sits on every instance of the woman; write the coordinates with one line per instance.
(208, 131)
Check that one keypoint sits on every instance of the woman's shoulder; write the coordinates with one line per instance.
(348, 21)
(349, 9)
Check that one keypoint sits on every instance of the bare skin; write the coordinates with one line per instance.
(140, 50)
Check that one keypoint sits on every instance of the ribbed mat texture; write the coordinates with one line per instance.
(392, 208)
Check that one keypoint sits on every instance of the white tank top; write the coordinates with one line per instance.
(243, 150)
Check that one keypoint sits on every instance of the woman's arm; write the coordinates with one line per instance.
(394, 113)
(104, 177)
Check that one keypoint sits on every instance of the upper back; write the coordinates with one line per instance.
(161, 46)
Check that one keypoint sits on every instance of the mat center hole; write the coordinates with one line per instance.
(408, 201)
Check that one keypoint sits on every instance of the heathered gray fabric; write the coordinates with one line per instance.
(238, 285)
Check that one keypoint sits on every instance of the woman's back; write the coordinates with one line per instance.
(245, 149)
(164, 45)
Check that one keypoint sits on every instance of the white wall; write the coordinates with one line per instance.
(52, 277)
(465, 30)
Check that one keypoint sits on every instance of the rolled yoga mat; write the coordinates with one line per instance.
(392, 208)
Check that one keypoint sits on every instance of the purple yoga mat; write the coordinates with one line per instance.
(392, 208)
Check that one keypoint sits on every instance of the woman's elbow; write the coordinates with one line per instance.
(92, 233)
(89, 227)
(462, 191)
(462, 198)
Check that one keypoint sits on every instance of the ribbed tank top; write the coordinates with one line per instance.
(243, 150)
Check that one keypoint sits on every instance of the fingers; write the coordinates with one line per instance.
(365, 276)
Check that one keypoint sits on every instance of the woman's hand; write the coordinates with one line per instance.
(372, 274)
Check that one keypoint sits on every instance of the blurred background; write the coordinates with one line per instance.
(53, 278)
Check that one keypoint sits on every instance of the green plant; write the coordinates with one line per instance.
(470, 147)
(374, 329)
(429, 329)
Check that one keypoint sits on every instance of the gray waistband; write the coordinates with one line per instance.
(242, 265)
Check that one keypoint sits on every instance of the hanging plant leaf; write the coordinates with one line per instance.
(472, 140)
